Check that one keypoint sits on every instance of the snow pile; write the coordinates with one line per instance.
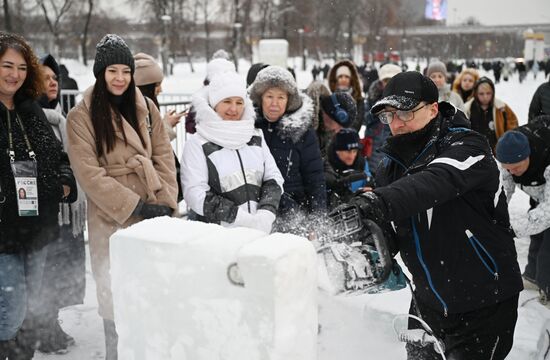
(173, 298)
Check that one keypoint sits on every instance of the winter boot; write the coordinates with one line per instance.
(543, 299)
(51, 340)
(68, 339)
(529, 284)
(111, 340)
(4, 346)
(20, 349)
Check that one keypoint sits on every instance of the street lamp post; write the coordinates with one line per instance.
(377, 38)
(301, 43)
(165, 43)
(403, 47)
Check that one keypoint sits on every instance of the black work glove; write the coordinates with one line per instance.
(149, 211)
(371, 207)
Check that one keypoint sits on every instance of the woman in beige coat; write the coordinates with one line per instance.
(125, 167)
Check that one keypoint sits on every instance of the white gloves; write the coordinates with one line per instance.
(262, 220)
(244, 219)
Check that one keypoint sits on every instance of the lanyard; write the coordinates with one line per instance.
(11, 150)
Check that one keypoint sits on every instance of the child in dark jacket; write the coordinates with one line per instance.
(346, 171)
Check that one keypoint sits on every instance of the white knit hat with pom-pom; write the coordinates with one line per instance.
(218, 66)
(224, 85)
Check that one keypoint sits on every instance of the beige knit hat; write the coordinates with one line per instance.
(147, 70)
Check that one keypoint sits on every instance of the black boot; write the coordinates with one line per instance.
(111, 340)
(52, 339)
(4, 349)
(20, 348)
(63, 335)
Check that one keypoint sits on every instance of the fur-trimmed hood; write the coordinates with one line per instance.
(315, 90)
(293, 125)
(355, 79)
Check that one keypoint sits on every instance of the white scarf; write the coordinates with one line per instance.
(229, 134)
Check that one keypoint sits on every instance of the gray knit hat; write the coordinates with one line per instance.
(436, 66)
(112, 50)
(276, 77)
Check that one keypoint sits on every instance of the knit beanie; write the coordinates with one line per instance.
(217, 66)
(112, 50)
(221, 54)
(512, 147)
(276, 77)
(224, 85)
(343, 70)
(340, 101)
(346, 139)
(253, 72)
(436, 66)
(147, 70)
(388, 71)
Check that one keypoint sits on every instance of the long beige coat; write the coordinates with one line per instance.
(115, 182)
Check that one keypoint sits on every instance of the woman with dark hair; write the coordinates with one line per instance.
(35, 162)
(344, 77)
(489, 115)
(125, 166)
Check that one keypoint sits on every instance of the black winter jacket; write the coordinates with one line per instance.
(451, 217)
(540, 104)
(53, 172)
(293, 144)
(342, 180)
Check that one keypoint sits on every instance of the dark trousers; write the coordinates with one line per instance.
(483, 334)
(538, 260)
(111, 340)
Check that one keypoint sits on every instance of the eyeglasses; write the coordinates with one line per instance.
(386, 117)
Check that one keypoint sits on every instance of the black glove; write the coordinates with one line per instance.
(149, 211)
(371, 207)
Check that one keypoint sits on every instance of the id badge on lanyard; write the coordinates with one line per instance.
(25, 174)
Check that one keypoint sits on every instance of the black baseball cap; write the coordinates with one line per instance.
(406, 90)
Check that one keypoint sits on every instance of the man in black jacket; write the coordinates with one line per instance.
(439, 186)
(540, 103)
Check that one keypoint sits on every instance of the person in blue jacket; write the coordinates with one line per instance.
(285, 116)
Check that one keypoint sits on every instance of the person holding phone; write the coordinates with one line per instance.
(148, 77)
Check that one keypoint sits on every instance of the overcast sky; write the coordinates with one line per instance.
(499, 12)
(488, 12)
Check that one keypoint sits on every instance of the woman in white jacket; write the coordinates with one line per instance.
(228, 174)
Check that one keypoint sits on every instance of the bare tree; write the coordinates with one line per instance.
(7, 16)
(84, 37)
(54, 10)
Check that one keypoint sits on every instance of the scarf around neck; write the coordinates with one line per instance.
(229, 134)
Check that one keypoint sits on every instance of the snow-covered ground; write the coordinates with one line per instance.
(346, 323)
